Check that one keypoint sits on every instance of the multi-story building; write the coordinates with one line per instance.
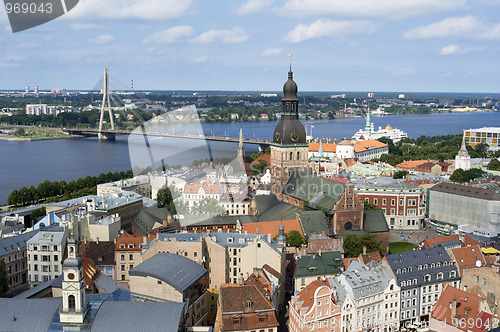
(317, 266)
(360, 150)
(458, 310)
(185, 244)
(13, 251)
(235, 204)
(126, 204)
(477, 209)
(101, 254)
(128, 250)
(138, 184)
(402, 203)
(45, 253)
(232, 257)
(244, 309)
(421, 275)
(362, 292)
(195, 192)
(488, 135)
(314, 308)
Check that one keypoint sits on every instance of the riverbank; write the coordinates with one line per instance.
(32, 139)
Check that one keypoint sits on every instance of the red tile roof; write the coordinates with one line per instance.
(325, 245)
(307, 294)
(467, 306)
(430, 243)
(327, 147)
(264, 157)
(410, 164)
(272, 227)
(207, 187)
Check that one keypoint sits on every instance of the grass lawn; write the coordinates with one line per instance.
(395, 247)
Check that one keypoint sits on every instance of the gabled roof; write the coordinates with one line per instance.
(430, 243)
(410, 164)
(264, 157)
(328, 263)
(325, 245)
(369, 257)
(147, 218)
(374, 221)
(160, 266)
(9, 245)
(27, 314)
(234, 301)
(306, 296)
(467, 306)
(369, 144)
(466, 257)
(314, 222)
(272, 227)
(209, 188)
(99, 253)
(327, 147)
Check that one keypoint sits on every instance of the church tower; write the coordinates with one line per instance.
(462, 159)
(289, 147)
(240, 154)
(74, 307)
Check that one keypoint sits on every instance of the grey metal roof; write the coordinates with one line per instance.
(177, 271)
(358, 280)
(9, 245)
(27, 314)
(384, 182)
(132, 316)
(49, 235)
(108, 285)
(239, 240)
(403, 261)
(56, 282)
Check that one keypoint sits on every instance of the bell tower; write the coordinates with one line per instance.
(289, 147)
(74, 308)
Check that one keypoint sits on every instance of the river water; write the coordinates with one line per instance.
(29, 163)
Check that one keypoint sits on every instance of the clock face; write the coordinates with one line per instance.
(277, 136)
(71, 276)
(295, 137)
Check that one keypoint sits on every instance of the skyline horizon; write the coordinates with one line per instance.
(390, 45)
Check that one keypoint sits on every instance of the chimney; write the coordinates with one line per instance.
(165, 222)
(144, 240)
(364, 250)
(85, 240)
(269, 238)
(453, 307)
(114, 240)
(97, 240)
(169, 218)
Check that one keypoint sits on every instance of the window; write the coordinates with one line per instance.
(130, 245)
(375, 201)
(56, 268)
(484, 280)
(122, 267)
(384, 201)
(262, 318)
(123, 277)
(56, 258)
(440, 276)
(55, 247)
(131, 257)
(35, 257)
(401, 202)
(158, 282)
(71, 302)
(131, 266)
(393, 202)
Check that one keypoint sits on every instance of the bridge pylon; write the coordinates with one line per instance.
(105, 100)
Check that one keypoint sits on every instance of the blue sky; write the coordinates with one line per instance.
(338, 45)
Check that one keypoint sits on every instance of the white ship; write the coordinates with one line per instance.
(369, 132)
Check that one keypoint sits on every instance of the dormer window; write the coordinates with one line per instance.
(122, 246)
(248, 304)
(262, 318)
(236, 320)
(130, 245)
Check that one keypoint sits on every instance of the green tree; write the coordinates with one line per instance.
(20, 132)
(400, 174)
(210, 205)
(165, 199)
(458, 176)
(494, 165)
(294, 239)
(369, 241)
(14, 198)
(371, 206)
(260, 167)
(352, 246)
(4, 284)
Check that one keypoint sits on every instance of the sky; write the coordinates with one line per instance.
(337, 45)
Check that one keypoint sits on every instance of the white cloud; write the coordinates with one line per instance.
(85, 26)
(254, 6)
(10, 61)
(170, 35)
(457, 50)
(467, 27)
(149, 10)
(272, 51)
(235, 35)
(325, 28)
(102, 39)
(389, 9)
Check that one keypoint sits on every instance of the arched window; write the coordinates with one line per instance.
(291, 155)
(71, 302)
(298, 155)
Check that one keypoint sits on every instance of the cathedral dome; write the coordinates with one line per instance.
(290, 88)
(289, 131)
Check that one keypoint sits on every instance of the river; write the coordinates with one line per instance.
(29, 163)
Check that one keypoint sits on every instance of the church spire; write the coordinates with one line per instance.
(463, 149)
(368, 126)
